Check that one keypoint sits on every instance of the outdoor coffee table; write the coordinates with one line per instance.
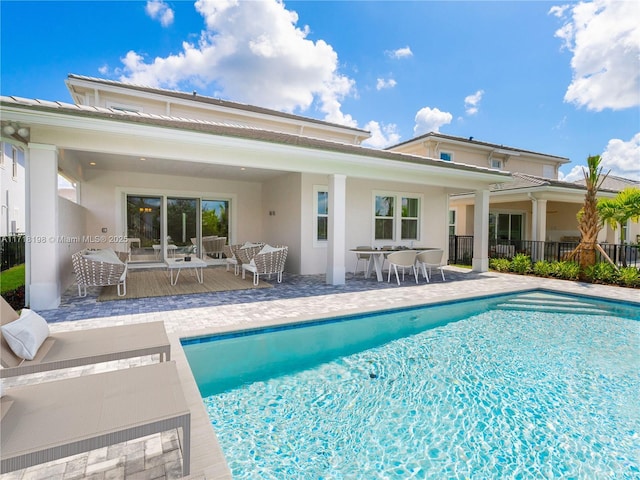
(178, 264)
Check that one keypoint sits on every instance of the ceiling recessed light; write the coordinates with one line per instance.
(142, 159)
(92, 163)
(242, 168)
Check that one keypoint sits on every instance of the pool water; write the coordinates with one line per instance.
(530, 386)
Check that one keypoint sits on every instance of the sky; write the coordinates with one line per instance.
(560, 78)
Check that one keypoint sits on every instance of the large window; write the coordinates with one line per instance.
(393, 224)
(504, 227)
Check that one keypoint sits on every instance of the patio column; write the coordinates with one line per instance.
(336, 249)
(480, 260)
(541, 221)
(42, 227)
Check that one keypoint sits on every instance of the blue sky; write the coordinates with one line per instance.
(552, 77)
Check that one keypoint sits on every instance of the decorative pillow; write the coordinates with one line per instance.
(26, 334)
(249, 245)
(106, 256)
(268, 249)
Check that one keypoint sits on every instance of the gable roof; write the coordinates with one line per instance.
(471, 142)
(206, 100)
(522, 181)
(615, 183)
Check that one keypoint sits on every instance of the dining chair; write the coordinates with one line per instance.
(365, 257)
(430, 259)
(403, 259)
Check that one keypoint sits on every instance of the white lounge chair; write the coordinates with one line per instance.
(51, 420)
(84, 347)
(430, 259)
(98, 268)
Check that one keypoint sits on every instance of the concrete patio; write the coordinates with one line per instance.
(297, 298)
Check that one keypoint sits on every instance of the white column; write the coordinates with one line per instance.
(42, 280)
(541, 223)
(480, 260)
(336, 251)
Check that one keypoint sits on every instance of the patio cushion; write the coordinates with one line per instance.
(105, 255)
(26, 334)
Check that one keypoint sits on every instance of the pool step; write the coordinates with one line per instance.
(541, 302)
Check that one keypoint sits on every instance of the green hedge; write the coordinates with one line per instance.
(603, 273)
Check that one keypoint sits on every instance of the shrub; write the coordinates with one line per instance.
(521, 264)
(543, 268)
(629, 277)
(500, 264)
(567, 270)
(601, 272)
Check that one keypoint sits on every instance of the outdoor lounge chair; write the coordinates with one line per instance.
(268, 261)
(51, 420)
(98, 268)
(84, 347)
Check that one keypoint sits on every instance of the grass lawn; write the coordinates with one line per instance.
(12, 278)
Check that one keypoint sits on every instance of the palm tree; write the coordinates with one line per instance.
(588, 219)
(619, 210)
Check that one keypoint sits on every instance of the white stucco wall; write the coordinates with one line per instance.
(103, 196)
(12, 191)
(71, 226)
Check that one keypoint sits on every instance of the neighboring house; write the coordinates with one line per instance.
(151, 164)
(535, 206)
(12, 187)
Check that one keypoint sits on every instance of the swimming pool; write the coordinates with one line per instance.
(521, 386)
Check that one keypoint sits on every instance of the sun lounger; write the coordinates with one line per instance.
(84, 347)
(47, 421)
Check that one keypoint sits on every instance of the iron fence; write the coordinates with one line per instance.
(11, 251)
(461, 251)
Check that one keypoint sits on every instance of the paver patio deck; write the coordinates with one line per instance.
(298, 297)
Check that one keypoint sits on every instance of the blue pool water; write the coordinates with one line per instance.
(535, 385)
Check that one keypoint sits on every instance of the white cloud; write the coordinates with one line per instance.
(381, 135)
(104, 69)
(604, 37)
(620, 158)
(623, 158)
(400, 53)
(471, 102)
(252, 52)
(383, 83)
(430, 120)
(158, 10)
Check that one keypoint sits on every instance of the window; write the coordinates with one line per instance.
(409, 219)
(548, 171)
(384, 218)
(391, 223)
(446, 156)
(17, 156)
(320, 214)
(505, 226)
(495, 163)
(452, 223)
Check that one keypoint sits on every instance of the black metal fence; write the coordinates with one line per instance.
(461, 250)
(11, 251)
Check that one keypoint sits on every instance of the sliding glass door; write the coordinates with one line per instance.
(182, 225)
(144, 216)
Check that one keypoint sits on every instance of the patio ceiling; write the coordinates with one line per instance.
(101, 161)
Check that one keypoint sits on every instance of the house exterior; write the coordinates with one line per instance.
(12, 176)
(166, 166)
(536, 206)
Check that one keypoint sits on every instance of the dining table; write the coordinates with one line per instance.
(377, 256)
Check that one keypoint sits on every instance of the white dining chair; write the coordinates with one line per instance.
(403, 259)
(365, 257)
(430, 259)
